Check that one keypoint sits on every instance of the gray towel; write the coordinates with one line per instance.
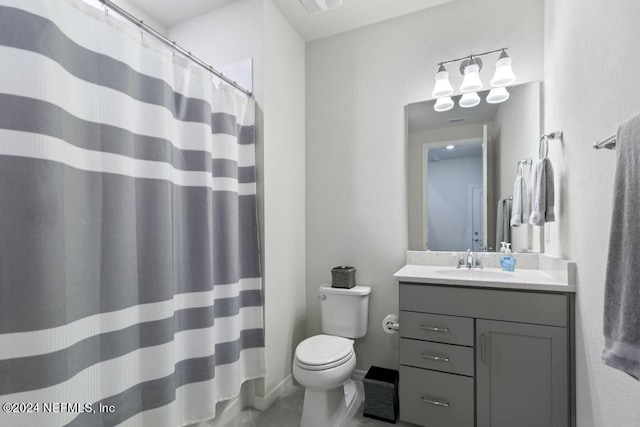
(519, 214)
(622, 281)
(503, 231)
(542, 193)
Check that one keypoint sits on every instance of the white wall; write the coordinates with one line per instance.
(227, 35)
(256, 29)
(357, 86)
(284, 197)
(588, 99)
(135, 11)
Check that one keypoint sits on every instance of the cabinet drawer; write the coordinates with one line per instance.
(441, 357)
(435, 399)
(493, 304)
(436, 327)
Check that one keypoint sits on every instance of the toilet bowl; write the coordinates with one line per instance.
(323, 365)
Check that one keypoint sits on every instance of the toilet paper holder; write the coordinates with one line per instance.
(390, 324)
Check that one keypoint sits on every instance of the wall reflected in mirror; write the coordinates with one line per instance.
(453, 193)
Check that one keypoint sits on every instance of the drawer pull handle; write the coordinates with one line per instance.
(434, 402)
(436, 358)
(434, 329)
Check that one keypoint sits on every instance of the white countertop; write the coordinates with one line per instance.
(521, 279)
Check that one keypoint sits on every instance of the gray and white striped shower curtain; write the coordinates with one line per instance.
(130, 289)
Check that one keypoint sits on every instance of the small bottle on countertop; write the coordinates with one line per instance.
(507, 261)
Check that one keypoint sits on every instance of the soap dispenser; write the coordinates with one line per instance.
(507, 261)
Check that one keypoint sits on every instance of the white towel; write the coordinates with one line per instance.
(519, 214)
(542, 193)
(622, 280)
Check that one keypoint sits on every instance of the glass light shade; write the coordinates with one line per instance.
(442, 87)
(471, 81)
(443, 104)
(504, 74)
(469, 100)
(497, 95)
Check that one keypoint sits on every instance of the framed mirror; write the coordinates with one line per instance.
(461, 163)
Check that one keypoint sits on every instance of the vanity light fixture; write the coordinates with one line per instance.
(470, 67)
(442, 87)
(504, 74)
(469, 100)
(444, 104)
(497, 95)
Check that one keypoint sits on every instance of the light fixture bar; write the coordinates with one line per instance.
(473, 56)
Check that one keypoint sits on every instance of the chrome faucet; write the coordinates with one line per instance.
(471, 261)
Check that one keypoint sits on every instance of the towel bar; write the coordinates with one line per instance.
(609, 143)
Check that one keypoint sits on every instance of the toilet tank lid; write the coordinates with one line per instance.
(356, 290)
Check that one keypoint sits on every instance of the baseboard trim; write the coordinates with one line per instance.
(358, 374)
(263, 403)
(226, 412)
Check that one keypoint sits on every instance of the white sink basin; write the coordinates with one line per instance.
(474, 274)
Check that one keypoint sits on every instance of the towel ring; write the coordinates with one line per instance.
(544, 143)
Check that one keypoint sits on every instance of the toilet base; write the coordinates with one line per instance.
(328, 408)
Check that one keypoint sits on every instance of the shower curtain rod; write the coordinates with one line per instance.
(140, 23)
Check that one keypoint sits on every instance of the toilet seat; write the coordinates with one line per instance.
(322, 352)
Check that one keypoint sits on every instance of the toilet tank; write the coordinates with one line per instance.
(345, 312)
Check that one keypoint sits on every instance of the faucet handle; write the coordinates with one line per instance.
(461, 261)
(477, 262)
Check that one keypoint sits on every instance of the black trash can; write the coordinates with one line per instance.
(381, 394)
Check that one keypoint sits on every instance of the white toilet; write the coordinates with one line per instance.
(323, 363)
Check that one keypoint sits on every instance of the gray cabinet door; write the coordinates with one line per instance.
(522, 375)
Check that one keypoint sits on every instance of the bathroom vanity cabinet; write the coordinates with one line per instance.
(484, 357)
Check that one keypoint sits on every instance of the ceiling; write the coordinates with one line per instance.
(458, 151)
(171, 12)
(351, 15)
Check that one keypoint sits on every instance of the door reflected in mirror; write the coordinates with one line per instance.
(453, 194)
